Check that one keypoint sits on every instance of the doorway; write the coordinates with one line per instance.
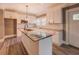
(10, 26)
(73, 28)
(71, 25)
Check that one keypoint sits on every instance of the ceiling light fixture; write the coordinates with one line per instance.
(26, 21)
(26, 12)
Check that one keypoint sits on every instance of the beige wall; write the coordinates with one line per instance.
(1, 25)
(10, 14)
(17, 15)
(23, 17)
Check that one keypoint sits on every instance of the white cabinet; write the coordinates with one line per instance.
(50, 16)
(54, 15)
(57, 38)
(57, 16)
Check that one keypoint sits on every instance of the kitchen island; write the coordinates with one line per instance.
(37, 42)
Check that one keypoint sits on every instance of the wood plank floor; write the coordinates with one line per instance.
(12, 46)
(65, 50)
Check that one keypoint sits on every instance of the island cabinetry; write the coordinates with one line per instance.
(30, 46)
(37, 42)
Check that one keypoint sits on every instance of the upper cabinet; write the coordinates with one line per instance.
(54, 15)
(57, 16)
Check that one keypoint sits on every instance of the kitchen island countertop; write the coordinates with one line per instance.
(36, 35)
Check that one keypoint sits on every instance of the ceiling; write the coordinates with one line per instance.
(33, 8)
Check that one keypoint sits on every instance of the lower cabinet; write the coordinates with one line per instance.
(41, 47)
(58, 38)
(31, 46)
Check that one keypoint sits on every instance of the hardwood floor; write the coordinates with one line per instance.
(12, 46)
(65, 50)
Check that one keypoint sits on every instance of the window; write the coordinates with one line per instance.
(41, 21)
(76, 17)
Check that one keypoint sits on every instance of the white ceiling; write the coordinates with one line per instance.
(34, 8)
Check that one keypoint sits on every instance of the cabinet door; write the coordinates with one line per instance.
(57, 38)
(34, 47)
(57, 16)
(31, 46)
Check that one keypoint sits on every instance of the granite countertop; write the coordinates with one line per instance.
(36, 35)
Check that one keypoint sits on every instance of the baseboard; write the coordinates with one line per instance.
(65, 42)
(9, 36)
(74, 46)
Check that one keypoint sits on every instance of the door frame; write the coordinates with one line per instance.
(64, 20)
(15, 29)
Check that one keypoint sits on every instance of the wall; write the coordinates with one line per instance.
(17, 15)
(10, 14)
(20, 17)
(1, 25)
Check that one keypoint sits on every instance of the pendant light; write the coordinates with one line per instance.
(26, 21)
